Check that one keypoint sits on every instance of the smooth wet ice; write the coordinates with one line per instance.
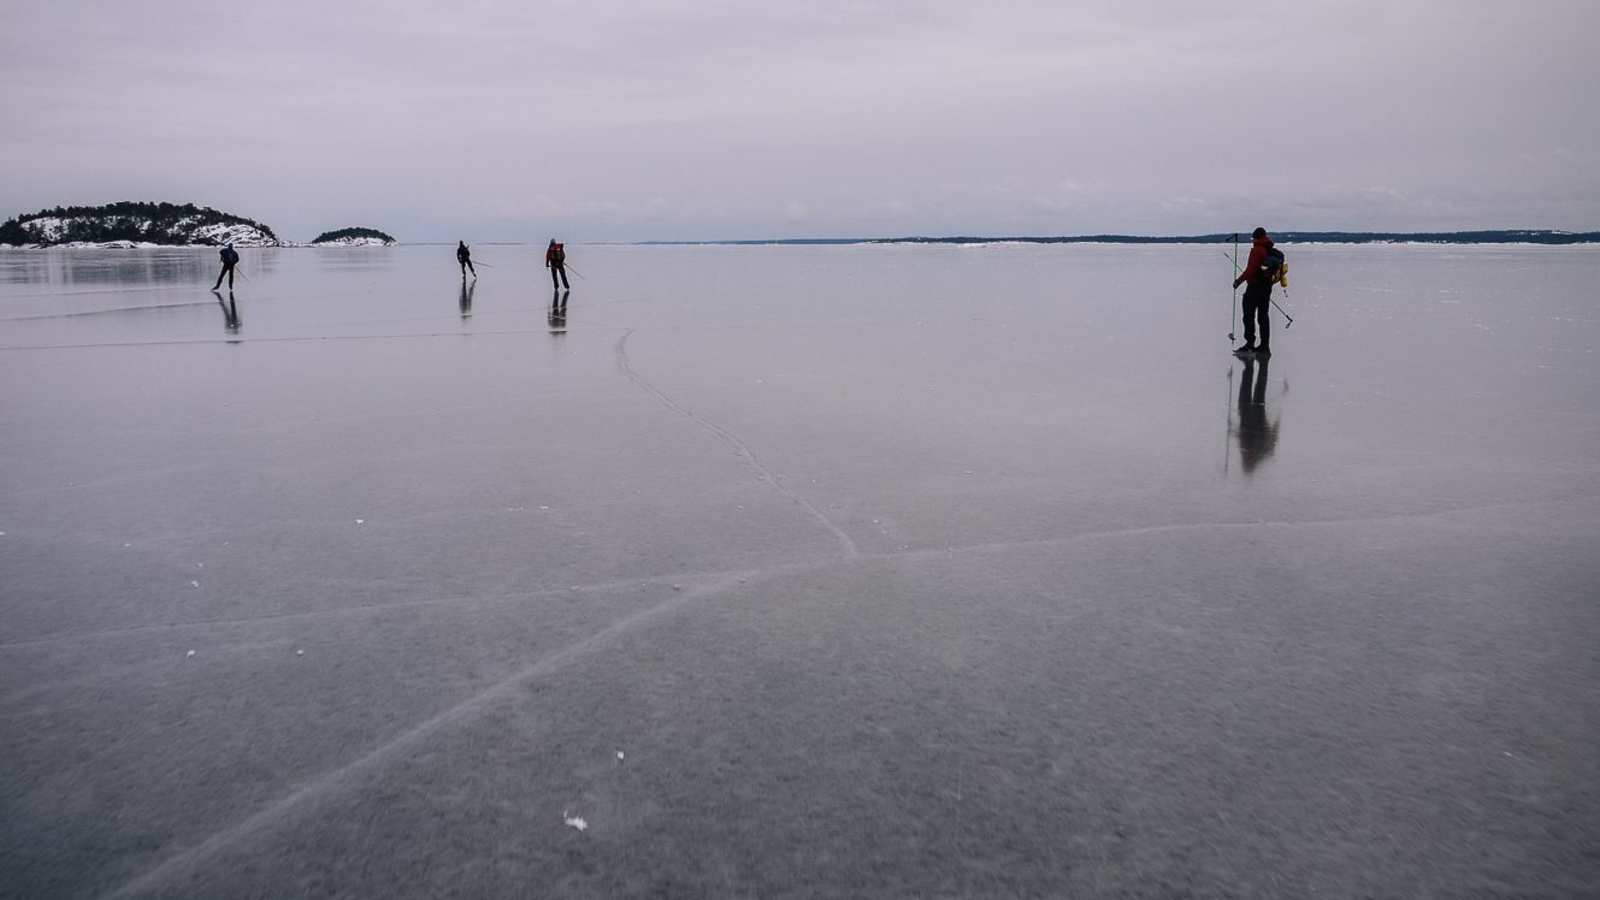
(902, 570)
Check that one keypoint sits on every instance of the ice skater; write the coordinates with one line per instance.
(230, 258)
(464, 257)
(555, 259)
(1260, 271)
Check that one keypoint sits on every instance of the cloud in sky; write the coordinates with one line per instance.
(737, 119)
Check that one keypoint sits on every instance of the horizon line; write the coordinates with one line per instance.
(1480, 235)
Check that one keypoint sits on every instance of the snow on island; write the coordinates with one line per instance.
(132, 224)
(353, 237)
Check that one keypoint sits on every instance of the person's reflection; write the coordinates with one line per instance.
(1257, 436)
(558, 312)
(230, 314)
(467, 287)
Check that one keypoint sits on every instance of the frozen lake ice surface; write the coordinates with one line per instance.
(897, 570)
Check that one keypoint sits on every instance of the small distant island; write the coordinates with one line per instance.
(134, 224)
(353, 237)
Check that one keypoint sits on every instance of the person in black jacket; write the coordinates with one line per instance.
(464, 257)
(555, 259)
(230, 258)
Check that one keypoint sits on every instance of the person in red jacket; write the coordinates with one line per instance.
(555, 259)
(1260, 271)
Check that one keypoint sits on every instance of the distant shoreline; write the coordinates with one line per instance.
(1446, 238)
(151, 245)
(1504, 236)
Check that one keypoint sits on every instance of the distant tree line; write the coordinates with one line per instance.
(129, 220)
(1503, 236)
(352, 233)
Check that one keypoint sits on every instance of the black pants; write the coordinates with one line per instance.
(227, 272)
(561, 271)
(1257, 304)
(465, 265)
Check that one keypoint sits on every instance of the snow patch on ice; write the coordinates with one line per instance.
(573, 821)
(109, 245)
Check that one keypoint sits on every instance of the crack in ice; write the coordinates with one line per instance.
(329, 781)
(739, 446)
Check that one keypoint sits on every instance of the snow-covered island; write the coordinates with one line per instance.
(132, 224)
(353, 237)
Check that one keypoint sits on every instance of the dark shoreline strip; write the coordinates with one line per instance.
(1505, 236)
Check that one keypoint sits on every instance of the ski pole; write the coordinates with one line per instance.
(1285, 312)
(1233, 315)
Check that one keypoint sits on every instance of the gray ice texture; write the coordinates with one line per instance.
(798, 571)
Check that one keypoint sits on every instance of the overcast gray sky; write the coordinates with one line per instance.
(737, 118)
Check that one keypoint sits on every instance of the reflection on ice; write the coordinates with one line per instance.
(558, 312)
(230, 313)
(1257, 433)
(122, 268)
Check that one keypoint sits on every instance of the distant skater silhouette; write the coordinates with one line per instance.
(230, 258)
(555, 259)
(464, 257)
(1258, 437)
(558, 312)
(467, 288)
